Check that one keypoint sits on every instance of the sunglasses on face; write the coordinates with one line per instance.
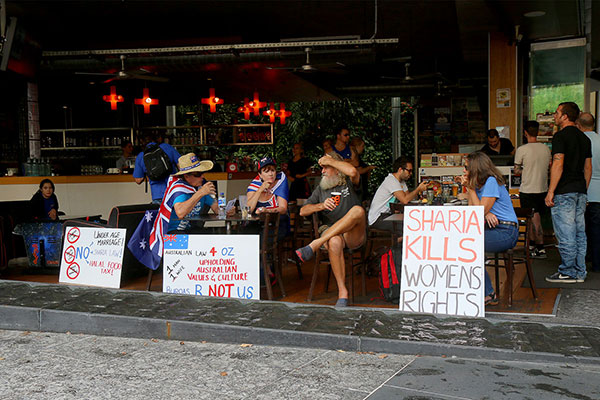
(408, 170)
(197, 174)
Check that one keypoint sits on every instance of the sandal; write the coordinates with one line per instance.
(492, 300)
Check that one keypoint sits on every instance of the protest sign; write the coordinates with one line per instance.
(443, 261)
(92, 256)
(212, 265)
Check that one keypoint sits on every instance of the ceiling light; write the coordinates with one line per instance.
(534, 14)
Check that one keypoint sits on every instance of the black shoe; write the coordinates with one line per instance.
(557, 277)
(539, 253)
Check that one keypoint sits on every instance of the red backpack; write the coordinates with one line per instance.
(390, 274)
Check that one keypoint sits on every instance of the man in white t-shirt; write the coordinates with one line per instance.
(391, 189)
(532, 160)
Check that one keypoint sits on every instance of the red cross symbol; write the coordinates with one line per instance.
(282, 114)
(256, 104)
(271, 113)
(146, 101)
(170, 238)
(113, 98)
(212, 101)
(246, 109)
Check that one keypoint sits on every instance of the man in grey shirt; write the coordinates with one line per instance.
(339, 208)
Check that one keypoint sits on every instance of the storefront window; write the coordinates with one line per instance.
(557, 75)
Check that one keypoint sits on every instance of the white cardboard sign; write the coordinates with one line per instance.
(92, 256)
(212, 265)
(443, 261)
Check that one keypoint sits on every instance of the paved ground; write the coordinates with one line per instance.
(67, 366)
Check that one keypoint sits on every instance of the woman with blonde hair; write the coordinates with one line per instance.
(486, 187)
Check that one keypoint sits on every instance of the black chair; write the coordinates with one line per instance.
(524, 216)
(322, 257)
(269, 252)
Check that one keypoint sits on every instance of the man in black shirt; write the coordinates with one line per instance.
(342, 215)
(570, 176)
(497, 146)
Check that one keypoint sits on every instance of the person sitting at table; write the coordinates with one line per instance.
(44, 203)
(344, 218)
(485, 187)
(269, 193)
(393, 188)
(188, 192)
(497, 146)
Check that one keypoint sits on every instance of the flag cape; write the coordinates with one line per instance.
(146, 243)
(280, 188)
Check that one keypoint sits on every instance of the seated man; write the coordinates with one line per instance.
(497, 146)
(343, 217)
(187, 193)
(393, 188)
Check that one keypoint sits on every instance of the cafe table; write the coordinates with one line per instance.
(227, 221)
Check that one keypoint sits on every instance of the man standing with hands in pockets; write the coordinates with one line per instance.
(343, 218)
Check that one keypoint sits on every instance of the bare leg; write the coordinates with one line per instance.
(335, 247)
(351, 225)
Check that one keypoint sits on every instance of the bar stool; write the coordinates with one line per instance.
(524, 216)
(322, 257)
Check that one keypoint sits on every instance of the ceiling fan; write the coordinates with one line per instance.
(140, 73)
(410, 78)
(307, 66)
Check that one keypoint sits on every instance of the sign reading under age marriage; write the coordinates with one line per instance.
(212, 265)
(443, 261)
(92, 256)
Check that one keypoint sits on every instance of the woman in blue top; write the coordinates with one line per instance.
(485, 187)
(44, 204)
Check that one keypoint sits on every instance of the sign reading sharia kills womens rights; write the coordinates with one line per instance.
(443, 261)
(212, 265)
(92, 256)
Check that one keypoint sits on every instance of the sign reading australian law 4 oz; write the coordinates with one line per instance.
(443, 261)
(212, 265)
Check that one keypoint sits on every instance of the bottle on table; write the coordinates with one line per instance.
(222, 202)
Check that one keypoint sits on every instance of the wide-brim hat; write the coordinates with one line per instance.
(189, 163)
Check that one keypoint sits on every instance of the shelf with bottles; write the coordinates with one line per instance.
(176, 136)
(84, 138)
(238, 134)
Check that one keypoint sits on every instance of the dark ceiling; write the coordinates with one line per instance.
(445, 43)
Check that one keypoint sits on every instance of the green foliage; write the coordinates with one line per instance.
(312, 122)
(547, 98)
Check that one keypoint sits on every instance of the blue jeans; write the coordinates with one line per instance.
(568, 218)
(593, 230)
(497, 240)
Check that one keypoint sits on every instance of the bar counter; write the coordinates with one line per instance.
(98, 194)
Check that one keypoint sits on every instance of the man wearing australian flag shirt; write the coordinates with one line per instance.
(186, 195)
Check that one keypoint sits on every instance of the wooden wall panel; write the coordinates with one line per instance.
(503, 74)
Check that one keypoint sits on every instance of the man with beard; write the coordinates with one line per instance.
(339, 210)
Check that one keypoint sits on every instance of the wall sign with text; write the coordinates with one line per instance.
(212, 265)
(443, 261)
